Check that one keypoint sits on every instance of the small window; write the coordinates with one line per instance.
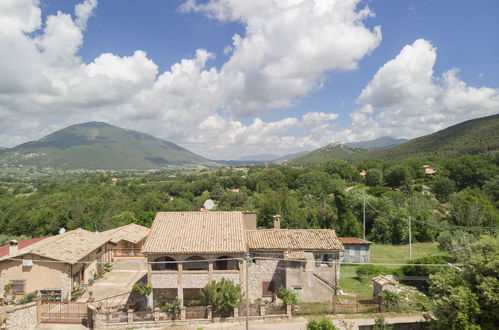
(268, 289)
(18, 287)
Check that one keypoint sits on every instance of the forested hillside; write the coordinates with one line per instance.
(465, 192)
(470, 137)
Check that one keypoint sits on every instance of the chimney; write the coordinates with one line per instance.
(249, 220)
(277, 221)
(13, 247)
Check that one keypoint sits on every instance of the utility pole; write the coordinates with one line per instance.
(248, 258)
(410, 240)
(364, 217)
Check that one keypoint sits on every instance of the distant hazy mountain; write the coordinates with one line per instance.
(330, 152)
(379, 143)
(469, 137)
(260, 157)
(289, 157)
(96, 145)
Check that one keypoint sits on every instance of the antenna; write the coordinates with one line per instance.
(209, 204)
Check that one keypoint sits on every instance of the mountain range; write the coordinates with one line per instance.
(97, 145)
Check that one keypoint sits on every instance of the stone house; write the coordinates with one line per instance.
(127, 241)
(356, 250)
(187, 250)
(54, 265)
(383, 283)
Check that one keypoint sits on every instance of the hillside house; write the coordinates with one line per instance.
(187, 250)
(429, 169)
(356, 250)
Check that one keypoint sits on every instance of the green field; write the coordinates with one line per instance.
(393, 254)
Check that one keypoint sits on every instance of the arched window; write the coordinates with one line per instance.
(224, 263)
(166, 265)
(197, 263)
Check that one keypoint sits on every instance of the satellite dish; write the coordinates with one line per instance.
(62, 231)
(209, 204)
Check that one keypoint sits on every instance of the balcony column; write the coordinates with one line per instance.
(180, 288)
(210, 270)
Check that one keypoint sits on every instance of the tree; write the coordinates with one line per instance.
(221, 295)
(443, 187)
(374, 177)
(217, 191)
(468, 298)
(398, 175)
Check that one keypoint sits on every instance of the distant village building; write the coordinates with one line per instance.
(356, 250)
(425, 190)
(362, 173)
(429, 170)
(236, 190)
(187, 250)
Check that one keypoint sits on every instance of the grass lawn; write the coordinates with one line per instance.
(380, 253)
(398, 254)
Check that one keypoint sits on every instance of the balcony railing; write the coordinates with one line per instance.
(127, 253)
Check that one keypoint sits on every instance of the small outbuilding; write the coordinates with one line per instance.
(356, 250)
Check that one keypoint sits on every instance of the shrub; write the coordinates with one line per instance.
(221, 295)
(27, 298)
(389, 300)
(288, 296)
(423, 271)
(142, 288)
(380, 324)
(322, 324)
(172, 309)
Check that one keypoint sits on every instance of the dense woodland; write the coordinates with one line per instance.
(464, 195)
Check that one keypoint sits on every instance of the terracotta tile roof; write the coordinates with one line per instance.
(196, 233)
(353, 240)
(132, 233)
(69, 247)
(293, 239)
(21, 244)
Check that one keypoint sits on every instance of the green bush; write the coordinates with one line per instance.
(172, 309)
(288, 296)
(27, 298)
(142, 288)
(380, 324)
(423, 271)
(322, 324)
(222, 295)
(389, 300)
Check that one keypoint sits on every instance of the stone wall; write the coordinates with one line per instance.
(23, 317)
(266, 271)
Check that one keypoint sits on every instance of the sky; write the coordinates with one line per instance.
(232, 78)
